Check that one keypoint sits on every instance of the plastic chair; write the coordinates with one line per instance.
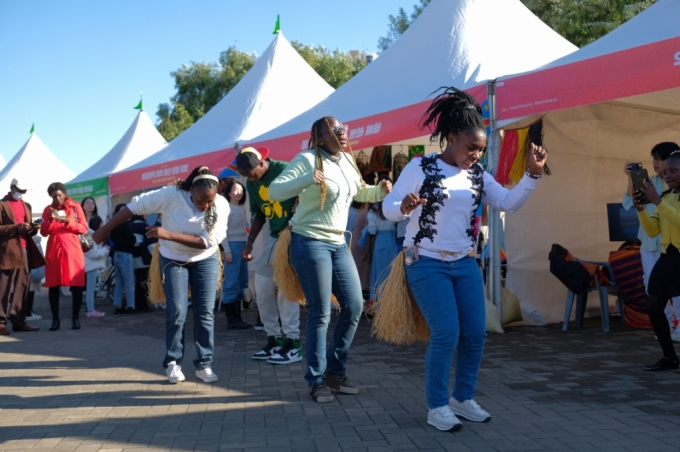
(603, 291)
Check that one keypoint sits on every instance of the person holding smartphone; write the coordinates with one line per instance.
(650, 247)
(664, 279)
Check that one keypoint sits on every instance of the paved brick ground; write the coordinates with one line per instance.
(103, 388)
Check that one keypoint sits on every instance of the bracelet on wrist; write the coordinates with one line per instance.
(533, 176)
(251, 237)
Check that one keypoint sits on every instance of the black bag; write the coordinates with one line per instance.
(571, 273)
(86, 242)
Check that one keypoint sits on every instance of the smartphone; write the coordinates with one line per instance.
(635, 166)
(638, 177)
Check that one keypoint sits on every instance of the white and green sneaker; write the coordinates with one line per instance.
(290, 352)
(273, 345)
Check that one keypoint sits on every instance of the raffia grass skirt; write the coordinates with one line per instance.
(154, 285)
(397, 317)
(285, 277)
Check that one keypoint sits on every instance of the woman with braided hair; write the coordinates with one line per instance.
(326, 180)
(441, 193)
(664, 280)
(194, 224)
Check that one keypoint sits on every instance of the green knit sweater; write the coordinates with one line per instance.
(343, 187)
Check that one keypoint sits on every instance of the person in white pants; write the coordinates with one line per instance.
(283, 344)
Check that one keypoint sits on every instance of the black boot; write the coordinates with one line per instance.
(234, 320)
(55, 325)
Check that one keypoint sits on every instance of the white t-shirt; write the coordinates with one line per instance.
(454, 219)
(181, 216)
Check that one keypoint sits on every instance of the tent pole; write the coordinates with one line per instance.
(493, 273)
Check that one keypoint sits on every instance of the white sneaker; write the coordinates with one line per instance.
(443, 419)
(469, 410)
(33, 316)
(207, 375)
(675, 335)
(174, 373)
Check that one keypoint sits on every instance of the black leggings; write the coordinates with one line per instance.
(76, 294)
(655, 308)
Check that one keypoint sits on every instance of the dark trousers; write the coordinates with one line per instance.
(76, 295)
(141, 277)
(13, 289)
(655, 309)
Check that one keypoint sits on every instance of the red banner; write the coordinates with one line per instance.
(383, 128)
(644, 69)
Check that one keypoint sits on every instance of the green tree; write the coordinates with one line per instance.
(334, 67)
(583, 21)
(200, 86)
(398, 24)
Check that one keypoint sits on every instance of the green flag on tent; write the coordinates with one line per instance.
(139, 105)
(32, 128)
(277, 28)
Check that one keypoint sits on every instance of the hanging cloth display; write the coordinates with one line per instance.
(398, 163)
(417, 150)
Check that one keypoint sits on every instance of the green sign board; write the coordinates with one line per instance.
(93, 188)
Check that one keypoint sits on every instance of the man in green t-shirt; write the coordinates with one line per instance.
(283, 345)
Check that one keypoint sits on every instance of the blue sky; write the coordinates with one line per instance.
(75, 67)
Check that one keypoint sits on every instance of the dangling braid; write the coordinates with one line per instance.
(453, 111)
(186, 185)
(314, 144)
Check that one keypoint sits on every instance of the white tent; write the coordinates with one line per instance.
(140, 141)
(2, 162)
(278, 87)
(35, 166)
(459, 43)
(606, 104)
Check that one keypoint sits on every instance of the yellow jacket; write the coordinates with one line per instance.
(665, 221)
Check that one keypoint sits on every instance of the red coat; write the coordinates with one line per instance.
(64, 256)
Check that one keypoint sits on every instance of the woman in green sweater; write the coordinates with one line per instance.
(327, 180)
(664, 281)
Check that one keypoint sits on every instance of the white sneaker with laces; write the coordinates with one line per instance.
(443, 419)
(469, 409)
(174, 373)
(207, 375)
(33, 316)
(675, 335)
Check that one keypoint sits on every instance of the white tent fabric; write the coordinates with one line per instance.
(459, 43)
(35, 166)
(140, 141)
(278, 87)
(589, 144)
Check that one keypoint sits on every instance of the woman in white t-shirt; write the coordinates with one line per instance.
(194, 224)
(443, 192)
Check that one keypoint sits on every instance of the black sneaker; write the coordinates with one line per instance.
(273, 345)
(321, 393)
(341, 383)
(290, 352)
(120, 311)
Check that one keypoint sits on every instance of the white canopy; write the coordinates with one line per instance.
(35, 166)
(278, 87)
(2, 162)
(607, 103)
(141, 140)
(459, 43)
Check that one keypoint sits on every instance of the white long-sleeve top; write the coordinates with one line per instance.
(453, 220)
(181, 216)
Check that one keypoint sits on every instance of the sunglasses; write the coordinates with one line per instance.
(337, 129)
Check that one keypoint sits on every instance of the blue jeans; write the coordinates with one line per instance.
(451, 297)
(125, 278)
(324, 268)
(202, 276)
(91, 280)
(235, 274)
